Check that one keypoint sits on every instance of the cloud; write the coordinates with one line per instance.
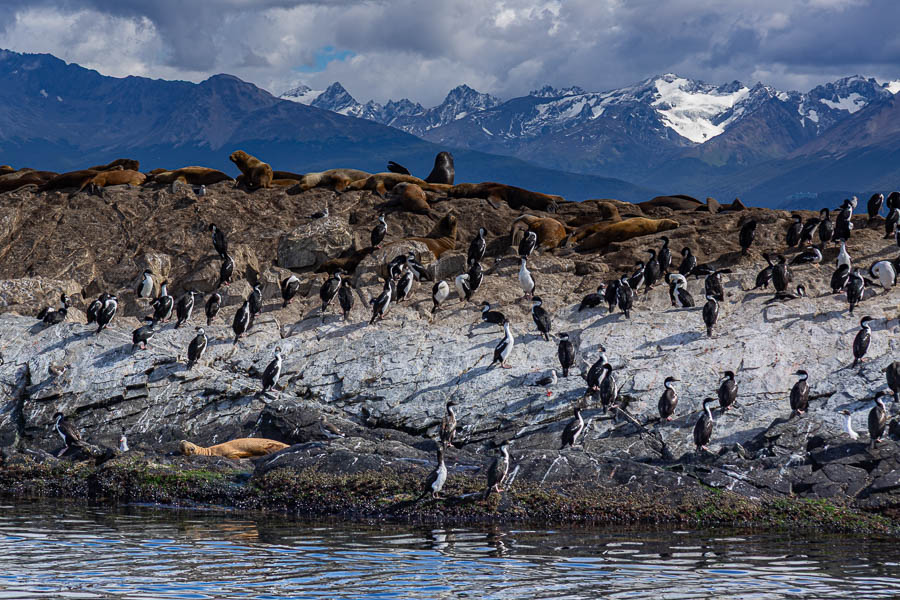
(419, 49)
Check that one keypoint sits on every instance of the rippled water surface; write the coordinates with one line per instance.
(60, 550)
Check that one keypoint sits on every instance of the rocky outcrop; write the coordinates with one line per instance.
(308, 246)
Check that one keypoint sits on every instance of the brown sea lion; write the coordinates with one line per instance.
(443, 171)
(442, 238)
(157, 171)
(286, 175)
(10, 185)
(675, 202)
(550, 232)
(608, 233)
(72, 179)
(380, 183)
(257, 174)
(336, 179)
(516, 197)
(411, 197)
(239, 448)
(128, 164)
(5, 169)
(105, 178)
(191, 176)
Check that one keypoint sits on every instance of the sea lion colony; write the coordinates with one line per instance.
(530, 234)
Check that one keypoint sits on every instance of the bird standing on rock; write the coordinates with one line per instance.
(625, 296)
(874, 206)
(710, 314)
(781, 274)
(541, 317)
(566, 353)
(498, 471)
(212, 307)
(145, 287)
(747, 235)
(272, 373)
(381, 304)
(528, 244)
(255, 300)
(225, 271)
(197, 347)
(448, 424)
(727, 391)
(378, 232)
(185, 307)
(703, 428)
(765, 276)
(861, 341)
(573, 430)
(664, 256)
(289, 288)
(66, 431)
(826, 227)
(668, 400)
(526, 281)
(877, 418)
(477, 246)
(220, 243)
(504, 348)
(241, 320)
(140, 336)
(345, 298)
(688, 262)
(162, 306)
(678, 293)
(463, 291)
(839, 278)
(856, 287)
(107, 312)
(800, 394)
(794, 230)
(652, 272)
(440, 291)
(434, 483)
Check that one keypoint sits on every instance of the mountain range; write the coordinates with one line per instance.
(768, 146)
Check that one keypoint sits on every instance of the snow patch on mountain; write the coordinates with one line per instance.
(693, 110)
(302, 94)
(851, 103)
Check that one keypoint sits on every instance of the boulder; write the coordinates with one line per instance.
(308, 246)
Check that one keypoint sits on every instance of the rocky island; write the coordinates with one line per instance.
(384, 387)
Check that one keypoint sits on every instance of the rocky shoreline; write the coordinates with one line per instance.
(385, 386)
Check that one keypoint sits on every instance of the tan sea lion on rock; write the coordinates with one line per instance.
(257, 174)
(239, 448)
(607, 233)
(105, 178)
(286, 175)
(336, 179)
(380, 183)
(191, 176)
(442, 238)
(128, 164)
(72, 179)
(516, 197)
(550, 232)
(411, 197)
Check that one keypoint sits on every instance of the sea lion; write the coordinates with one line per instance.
(442, 238)
(239, 448)
(675, 202)
(607, 233)
(443, 171)
(105, 178)
(411, 197)
(5, 169)
(72, 179)
(157, 171)
(380, 183)
(286, 175)
(191, 176)
(10, 185)
(515, 197)
(550, 232)
(128, 164)
(346, 263)
(337, 179)
(257, 174)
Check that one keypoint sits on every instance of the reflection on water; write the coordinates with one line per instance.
(53, 550)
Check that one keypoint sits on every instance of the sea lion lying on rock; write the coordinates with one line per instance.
(190, 176)
(607, 233)
(515, 197)
(105, 178)
(71, 179)
(411, 197)
(6, 169)
(257, 174)
(677, 202)
(442, 238)
(380, 183)
(239, 448)
(550, 232)
(286, 175)
(128, 164)
(336, 179)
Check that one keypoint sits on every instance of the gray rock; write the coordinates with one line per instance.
(308, 246)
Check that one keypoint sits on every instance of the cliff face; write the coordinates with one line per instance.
(386, 385)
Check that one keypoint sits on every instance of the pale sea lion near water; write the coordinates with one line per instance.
(239, 448)
(336, 179)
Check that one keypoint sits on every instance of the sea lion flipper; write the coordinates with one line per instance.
(397, 168)
(493, 200)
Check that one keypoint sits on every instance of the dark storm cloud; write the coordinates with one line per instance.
(397, 48)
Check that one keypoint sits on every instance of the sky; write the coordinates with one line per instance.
(420, 49)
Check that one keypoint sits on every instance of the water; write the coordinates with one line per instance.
(58, 550)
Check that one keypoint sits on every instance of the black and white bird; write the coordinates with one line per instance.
(826, 227)
(862, 340)
(184, 308)
(788, 295)
(163, 304)
(609, 387)
(477, 246)
(843, 224)
(476, 275)
(809, 229)
(440, 291)
(498, 471)
(839, 278)
(573, 430)
(123, 442)
(710, 314)
(526, 281)
(381, 304)
(611, 295)
(892, 374)
(877, 418)
(494, 317)
(212, 307)
(890, 223)
(145, 287)
(884, 272)
(418, 269)
(528, 244)
(405, 284)
(747, 235)
(197, 347)
(668, 400)
(345, 298)
(272, 373)
(688, 262)
(54, 317)
(713, 284)
(504, 348)
(220, 243)
(379, 232)
(434, 483)
(848, 425)
(255, 302)
(874, 206)
(764, 277)
(728, 391)
(328, 291)
(678, 293)
(541, 317)
(652, 272)
(289, 288)
(595, 373)
(856, 287)
(547, 380)
(781, 274)
(664, 256)
(703, 428)
(800, 394)
(793, 231)
(241, 320)
(140, 337)
(463, 291)
(625, 297)
(843, 257)
(810, 256)
(593, 300)
(320, 214)
(95, 307)
(225, 271)
(200, 191)
(636, 280)
(893, 200)
(566, 353)
(448, 424)
(107, 312)
(66, 431)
